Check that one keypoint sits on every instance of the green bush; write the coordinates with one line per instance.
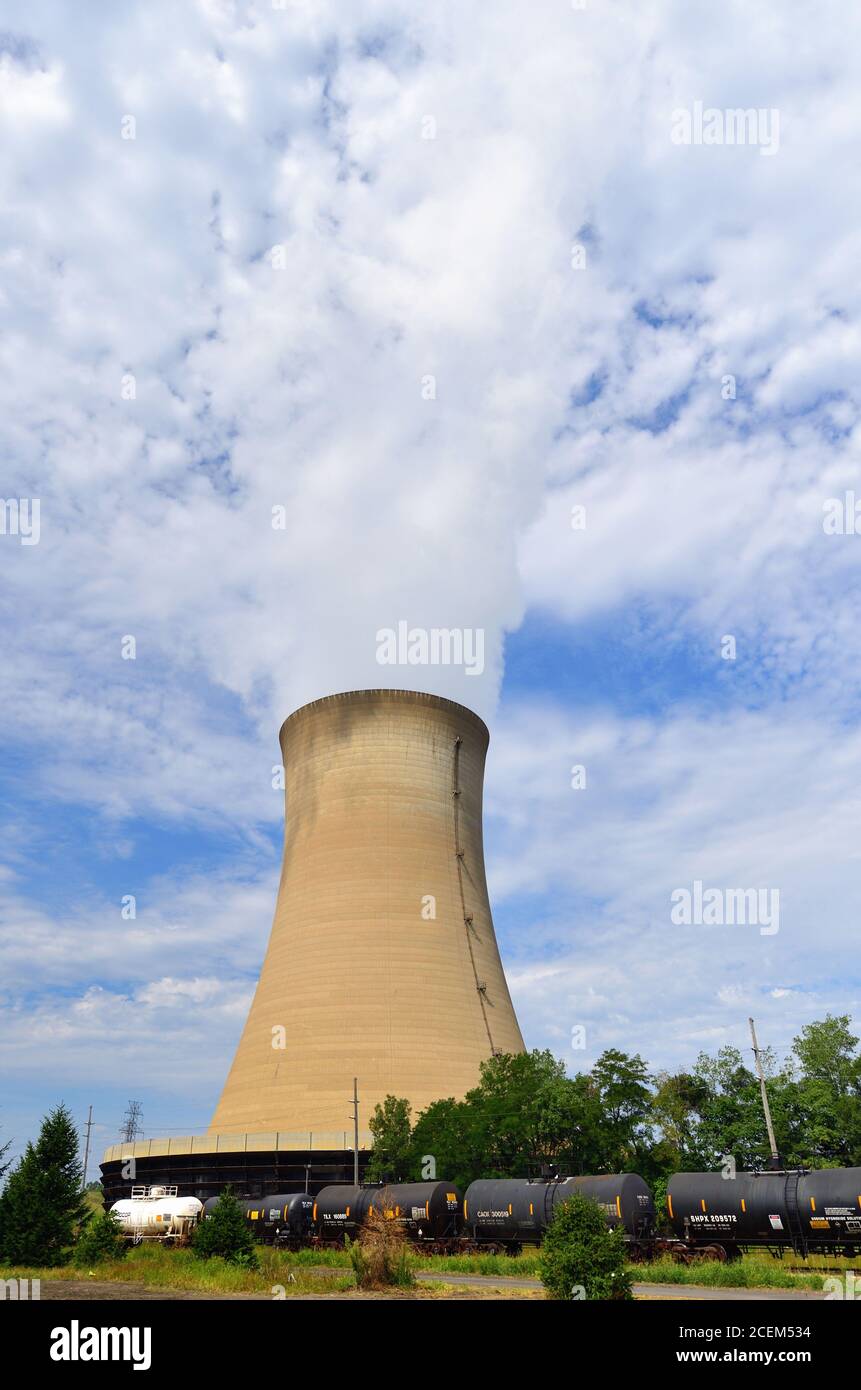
(581, 1257)
(101, 1239)
(225, 1232)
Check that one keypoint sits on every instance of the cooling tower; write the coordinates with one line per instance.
(382, 963)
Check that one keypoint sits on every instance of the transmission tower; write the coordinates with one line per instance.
(131, 1121)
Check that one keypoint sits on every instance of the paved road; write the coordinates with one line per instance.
(663, 1291)
(703, 1294)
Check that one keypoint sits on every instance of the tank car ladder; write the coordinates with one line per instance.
(796, 1230)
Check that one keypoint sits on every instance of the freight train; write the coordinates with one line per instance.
(712, 1216)
(809, 1212)
(284, 1219)
(511, 1212)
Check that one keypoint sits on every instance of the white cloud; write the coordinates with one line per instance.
(405, 258)
(735, 800)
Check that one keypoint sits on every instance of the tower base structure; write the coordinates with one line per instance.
(251, 1165)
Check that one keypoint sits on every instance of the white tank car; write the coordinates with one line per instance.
(157, 1213)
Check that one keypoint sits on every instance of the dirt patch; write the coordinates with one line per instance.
(95, 1290)
(103, 1291)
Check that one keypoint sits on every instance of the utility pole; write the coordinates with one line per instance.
(355, 1131)
(87, 1149)
(761, 1074)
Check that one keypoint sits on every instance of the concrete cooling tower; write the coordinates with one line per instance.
(382, 963)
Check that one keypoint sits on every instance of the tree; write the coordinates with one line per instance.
(225, 1232)
(4, 1166)
(447, 1135)
(569, 1119)
(4, 1149)
(829, 1092)
(390, 1126)
(581, 1257)
(622, 1084)
(730, 1106)
(101, 1239)
(826, 1051)
(675, 1111)
(513, 1109)
(526, 1113)
(41, 1207)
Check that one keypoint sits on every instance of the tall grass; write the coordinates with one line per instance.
(158, 1267)
(381, 1256)
(524, 1266)
(736, 1274)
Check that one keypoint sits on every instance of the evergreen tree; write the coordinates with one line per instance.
(41, 1206)
(4, 1149)
(225, 1232)
(581, 1257)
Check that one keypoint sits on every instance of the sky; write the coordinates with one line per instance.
(322, 316)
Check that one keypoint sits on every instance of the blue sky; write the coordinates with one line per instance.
(322, 210)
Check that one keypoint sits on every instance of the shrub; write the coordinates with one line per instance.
(580, 1252)
(380, 1256)
(224, 1232)
(101, 1239)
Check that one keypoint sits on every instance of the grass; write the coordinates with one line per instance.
(750, 1272)
(93, 1201)
(158, 1267)
(463, 1291)
(524, 1266)
(757, 1270)
(754, 1271)
(829, 1263)
(297, 1259)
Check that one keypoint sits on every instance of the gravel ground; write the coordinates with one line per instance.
(107, 1291)
(470, 1286)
